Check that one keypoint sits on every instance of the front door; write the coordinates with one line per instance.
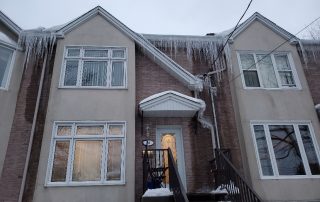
(169, 136)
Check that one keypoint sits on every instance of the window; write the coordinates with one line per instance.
(267, 71)
(94, 67)
(286, 150)
(6, 57)
(87, 153)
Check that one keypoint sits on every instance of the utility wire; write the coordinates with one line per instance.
(230, 35)
(294, 36)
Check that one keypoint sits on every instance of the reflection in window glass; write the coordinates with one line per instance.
(263, 150)
(60, 161)
(115, 129)
(5, 61)
(95, 53)
(114, 160)
(73, 52)
(286, 150)
(118, 53)
(251, 78)
(70, 77)
(64, 130)
(90, 130)
(310, 150)
(87, 161)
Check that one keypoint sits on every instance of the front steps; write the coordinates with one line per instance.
(193, 197)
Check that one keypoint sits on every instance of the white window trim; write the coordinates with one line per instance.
(12, 62)
(295, 124)
(109, 59)
(293, 69)
(48, 182)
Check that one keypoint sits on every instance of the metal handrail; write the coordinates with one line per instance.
(155, 169)
(229, 178)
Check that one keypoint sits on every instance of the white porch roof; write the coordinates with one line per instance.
(170, 104)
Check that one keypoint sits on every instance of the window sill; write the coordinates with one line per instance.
(81, 184)
(92, 88)
(272, 89)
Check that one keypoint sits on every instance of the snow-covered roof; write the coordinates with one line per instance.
(171, 104)
(9, 23)
(173, 68)
(273, 26)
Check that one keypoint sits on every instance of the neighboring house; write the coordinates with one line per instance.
(80, 99)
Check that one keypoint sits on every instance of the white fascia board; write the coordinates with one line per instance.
(10, 24)
(188, 79)
(274, 27)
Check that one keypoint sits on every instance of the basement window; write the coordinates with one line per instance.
(268, 71)
(94, 67)
(87, 153)
(286, 150)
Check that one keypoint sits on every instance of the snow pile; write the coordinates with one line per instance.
(226, 188)
(204, 48)
(157, 192)
(37, 44)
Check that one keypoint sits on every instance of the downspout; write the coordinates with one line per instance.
(212, 91)
(33, 129)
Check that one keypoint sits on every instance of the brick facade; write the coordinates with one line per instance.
(16, 155)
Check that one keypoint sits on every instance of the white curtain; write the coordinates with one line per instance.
(87, 161)
(267, 73)
(94, 73)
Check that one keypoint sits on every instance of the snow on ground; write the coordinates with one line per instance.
(157, 192)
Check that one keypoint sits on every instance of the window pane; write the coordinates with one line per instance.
(94, 73)
(60, 161)
(114, 160)
(71, 72)
(118, 53)
(117, 73)
(310, 150)
(96, 53)
(64, 130)
(87, 161)
(282, 62)
(263, 150)
(115, 129)
(247, 61)
(286, 150)
(287, 78)
(251, 78)
(5, 61)
(90, 130)
(268, 75)
(73, 52)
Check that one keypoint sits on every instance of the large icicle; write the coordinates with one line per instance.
(37, 43)
(310, 51)
(205, 48)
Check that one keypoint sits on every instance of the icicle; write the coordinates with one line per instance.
(205, 48)
(310, 50)
(37, 43)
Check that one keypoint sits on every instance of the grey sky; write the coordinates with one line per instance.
(184, 17)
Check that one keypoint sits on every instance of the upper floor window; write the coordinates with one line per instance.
(87, 153)
(6, 57)
(286, 150)
(96, 67)
(260, 70)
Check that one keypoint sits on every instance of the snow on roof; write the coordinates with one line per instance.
(152, 97)
(157, 192)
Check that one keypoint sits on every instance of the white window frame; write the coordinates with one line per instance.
(280, 87)
(72, 141)
(109, 59)
(271, 151)
(11, 65)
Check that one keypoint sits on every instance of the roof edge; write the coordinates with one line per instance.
(10, 24)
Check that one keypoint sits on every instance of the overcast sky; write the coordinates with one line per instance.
(183, 17)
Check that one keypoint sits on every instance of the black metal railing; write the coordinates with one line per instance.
(160, 170)
(228, 178)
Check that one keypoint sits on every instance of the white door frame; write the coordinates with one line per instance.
(177, 131)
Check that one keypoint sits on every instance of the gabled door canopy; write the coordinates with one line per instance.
(170, 104)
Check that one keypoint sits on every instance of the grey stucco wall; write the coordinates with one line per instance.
(93, 105)
(262, 104)
(8, 97)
